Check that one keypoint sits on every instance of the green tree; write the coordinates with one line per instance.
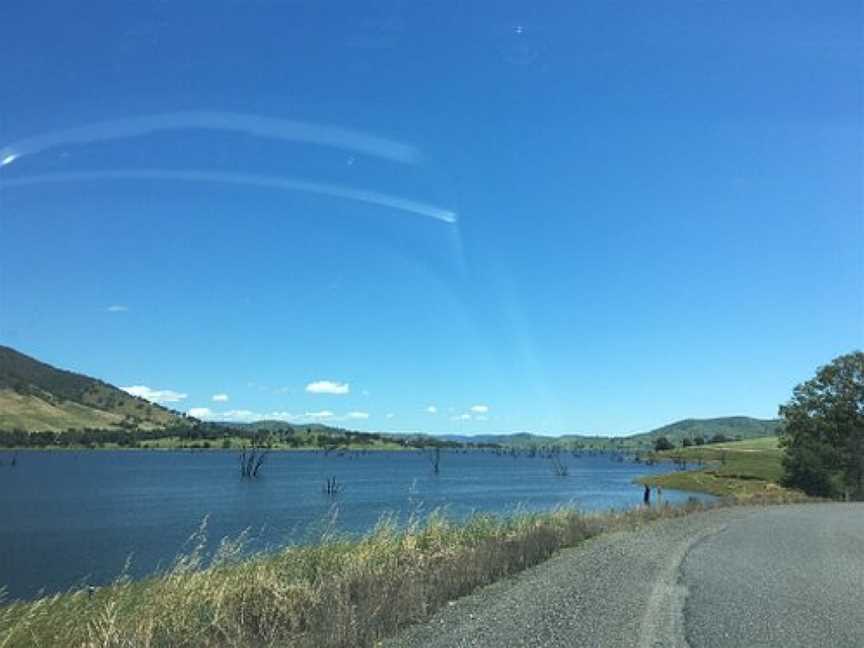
(662, 443)
(823, 431)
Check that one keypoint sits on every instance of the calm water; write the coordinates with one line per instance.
(69, 518)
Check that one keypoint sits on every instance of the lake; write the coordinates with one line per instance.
(70, 518)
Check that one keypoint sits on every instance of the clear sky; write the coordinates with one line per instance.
(590, 217)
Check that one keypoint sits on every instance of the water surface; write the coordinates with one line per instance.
(71, 518)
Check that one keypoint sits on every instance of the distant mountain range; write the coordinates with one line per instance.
(732, 427)
(36, 397)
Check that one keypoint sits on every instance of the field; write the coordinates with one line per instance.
(742, 469)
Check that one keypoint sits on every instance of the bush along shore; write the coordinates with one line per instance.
(337, 593)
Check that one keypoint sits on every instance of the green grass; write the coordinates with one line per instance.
(742, 469)
(339, 593)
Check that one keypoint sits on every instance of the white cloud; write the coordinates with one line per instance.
(432, 409)
(480, 409)
(155, 395)
(220, 398)
(117, 308)
(241, 416)
(319, 415)
(328, 387)
(461, 417)
(248, 416)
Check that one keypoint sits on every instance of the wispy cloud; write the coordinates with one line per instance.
(480, 409)
(481, 418)
(328, 387)
(200, 412)
(357, 415)
(389, 415)
(117, 308)
(248, 124)
(461, 417)
(220, 398)
(432, 409)
(367, 196)
(155, 395)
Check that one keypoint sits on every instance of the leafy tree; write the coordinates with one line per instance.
(824, 430)
(699, 441)
(662, 443)
(686, 443)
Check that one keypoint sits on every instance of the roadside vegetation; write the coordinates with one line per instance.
(341, 592)
(823, 431)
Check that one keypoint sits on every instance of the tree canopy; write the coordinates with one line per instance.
(662, 443)
(824, 430)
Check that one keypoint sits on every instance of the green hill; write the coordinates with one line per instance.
(732, 427)
(37, 397)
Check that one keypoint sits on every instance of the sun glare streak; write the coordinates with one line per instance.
(266, 127)
(269, 182)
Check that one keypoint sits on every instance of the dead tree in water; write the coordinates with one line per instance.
(332, 487)
(435, 458)
(558, 467)
(250, 463)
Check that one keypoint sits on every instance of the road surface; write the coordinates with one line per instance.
(782, 576)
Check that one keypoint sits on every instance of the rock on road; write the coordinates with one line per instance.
(750, 576)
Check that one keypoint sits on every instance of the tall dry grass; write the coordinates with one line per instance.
(340, 592)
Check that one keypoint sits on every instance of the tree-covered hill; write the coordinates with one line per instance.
(36, 397)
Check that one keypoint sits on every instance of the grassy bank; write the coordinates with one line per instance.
(744, 469)
(338, 593)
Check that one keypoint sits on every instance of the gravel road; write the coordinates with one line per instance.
(775, 576)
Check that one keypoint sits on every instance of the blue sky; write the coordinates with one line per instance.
(572, 219)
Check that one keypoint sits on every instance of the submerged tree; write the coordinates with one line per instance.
(250, 462)
(435, 458)
(559, 469)
(823, 431)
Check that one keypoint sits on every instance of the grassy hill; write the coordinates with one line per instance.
(37, 397)
(732, 427)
